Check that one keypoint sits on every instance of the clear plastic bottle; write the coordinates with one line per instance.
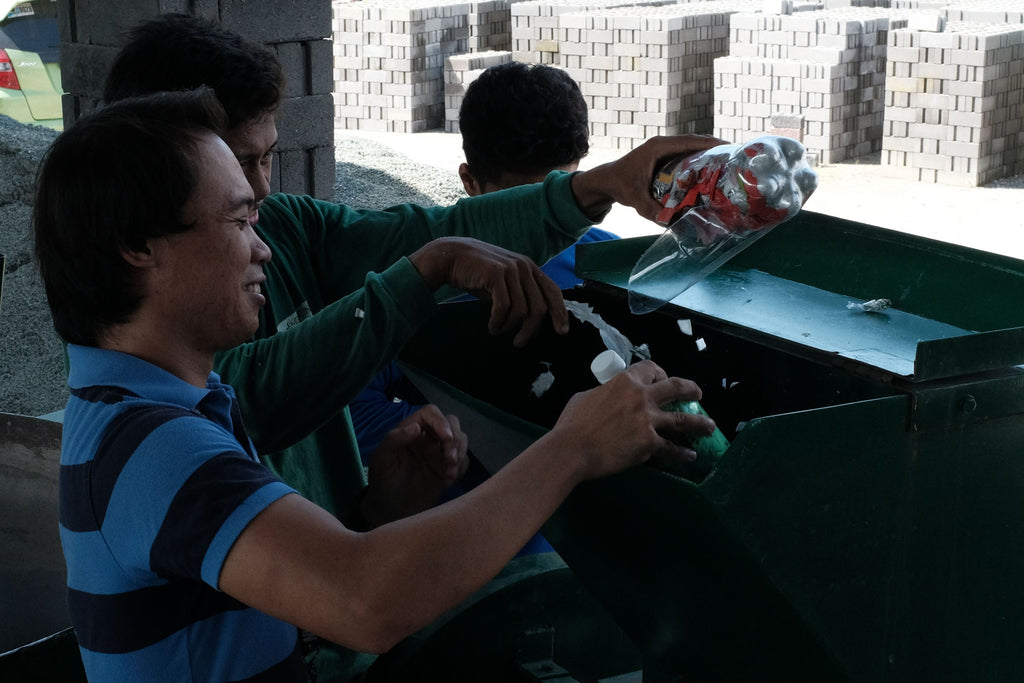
(715, 204)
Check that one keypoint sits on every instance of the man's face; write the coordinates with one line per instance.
(208, 278)
(253, 144)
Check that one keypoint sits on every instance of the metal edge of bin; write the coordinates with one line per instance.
(944, 292)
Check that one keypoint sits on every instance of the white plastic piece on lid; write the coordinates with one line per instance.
(606, 365)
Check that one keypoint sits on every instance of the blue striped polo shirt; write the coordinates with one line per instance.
(157, 480)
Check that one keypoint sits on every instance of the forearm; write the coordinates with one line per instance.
(589, 190)
(459, 546)
(368, 591)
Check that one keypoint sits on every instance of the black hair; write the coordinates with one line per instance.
(183, 52)
(523, 119)
(115, 179)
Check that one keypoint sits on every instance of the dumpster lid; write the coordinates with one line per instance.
(954, 310)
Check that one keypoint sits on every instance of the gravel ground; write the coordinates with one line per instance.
(31, 355)
(376, 171)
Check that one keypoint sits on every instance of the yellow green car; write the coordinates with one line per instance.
(30, 86)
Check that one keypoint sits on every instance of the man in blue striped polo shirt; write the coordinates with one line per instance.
(187, 559)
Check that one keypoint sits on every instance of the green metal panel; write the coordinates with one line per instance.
(864, 524)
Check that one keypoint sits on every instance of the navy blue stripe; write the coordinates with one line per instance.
(122, 436)
(102, 394)
(75, 510)
(124, 622)
(200, 507)
(291, 670)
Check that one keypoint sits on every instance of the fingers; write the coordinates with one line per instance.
(443, 445)
(457, 459)
(647, 372)
(645, 161)
(544, 300)
(431, 418)
(675, 427)
(522, 296)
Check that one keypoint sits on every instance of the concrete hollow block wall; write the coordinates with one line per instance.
(299, 31)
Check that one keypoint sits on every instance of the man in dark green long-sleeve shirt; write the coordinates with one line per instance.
(347, 288)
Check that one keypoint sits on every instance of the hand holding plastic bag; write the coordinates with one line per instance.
(717, 203)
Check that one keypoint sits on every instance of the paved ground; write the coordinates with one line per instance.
(990, 218)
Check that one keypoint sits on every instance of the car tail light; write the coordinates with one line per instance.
(8, 79)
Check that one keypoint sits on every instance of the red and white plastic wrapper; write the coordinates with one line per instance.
(716, 203)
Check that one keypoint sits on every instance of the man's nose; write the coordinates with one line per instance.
(260, 251)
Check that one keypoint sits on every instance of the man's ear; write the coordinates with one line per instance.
(140, 258)
(469, 181)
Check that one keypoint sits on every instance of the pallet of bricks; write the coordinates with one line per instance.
(817, 75)
(536, 24)
(955, 95)
(389, 57)
(645, 68)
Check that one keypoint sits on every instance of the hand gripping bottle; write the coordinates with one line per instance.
(709, 448)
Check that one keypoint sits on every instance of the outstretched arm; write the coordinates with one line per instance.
(367, 591)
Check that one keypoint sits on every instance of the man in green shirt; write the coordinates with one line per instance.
(347, 287)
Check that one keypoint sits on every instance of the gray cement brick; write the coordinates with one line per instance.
(84, 68)
(306, 122)
(278, 21)
(103, 23)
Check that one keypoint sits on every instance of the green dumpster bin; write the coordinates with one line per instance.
(864, 524)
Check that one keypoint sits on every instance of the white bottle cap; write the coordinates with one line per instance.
(606, 365)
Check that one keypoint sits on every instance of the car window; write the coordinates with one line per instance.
(32, 31)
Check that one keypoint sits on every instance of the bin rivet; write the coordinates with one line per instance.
(968, 405)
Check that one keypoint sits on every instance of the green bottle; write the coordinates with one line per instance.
(709, 448)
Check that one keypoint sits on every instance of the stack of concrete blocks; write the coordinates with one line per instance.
(92, 32)
(459, 72)
(820, 73)
(955, 103)
(490, 25)
(985, 11)
(389, 62)
(535, 24)
(833, 4)
(647, 70)
(937, 5)
(389, 57)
